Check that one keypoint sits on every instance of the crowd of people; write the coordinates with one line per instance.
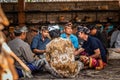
(62, 53)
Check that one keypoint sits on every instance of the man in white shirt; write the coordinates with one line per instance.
(114, 37)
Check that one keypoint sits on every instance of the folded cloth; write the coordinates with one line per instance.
(115, 50)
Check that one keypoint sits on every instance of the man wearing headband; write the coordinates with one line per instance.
(68, 35)
(60, 55)
(91, 48)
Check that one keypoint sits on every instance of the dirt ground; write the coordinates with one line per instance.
(111, 72)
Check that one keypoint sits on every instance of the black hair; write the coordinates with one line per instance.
(91, 26)
(17, 34)
(68, 24)
(55, 33)
(75, 26)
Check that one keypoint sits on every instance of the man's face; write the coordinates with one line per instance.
(45, 33)
(68, 30)
(93, 32)
(81, 35)
(23, 36)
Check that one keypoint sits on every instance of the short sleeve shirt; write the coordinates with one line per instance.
(22, 50)
(38, 43)
(92, 44)
(73, 39)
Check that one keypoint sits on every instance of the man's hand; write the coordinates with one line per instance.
(39, 51)
(78, 51)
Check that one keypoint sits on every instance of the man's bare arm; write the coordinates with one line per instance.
(39, 51)
(96, 54)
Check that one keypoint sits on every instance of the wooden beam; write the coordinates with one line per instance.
(21, 13)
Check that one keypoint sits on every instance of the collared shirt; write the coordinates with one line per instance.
(38, 43)
(73, 39)
(92, 44)
(22, 50)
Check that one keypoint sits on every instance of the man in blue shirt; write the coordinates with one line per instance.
(93, 44)
(40, 41)
(68, 35)
(93, 48)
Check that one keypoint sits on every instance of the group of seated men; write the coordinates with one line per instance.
(52, 51)
(56, 52)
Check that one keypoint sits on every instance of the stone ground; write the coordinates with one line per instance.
(111, 72)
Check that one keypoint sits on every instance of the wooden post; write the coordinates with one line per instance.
(119, 12)
(21, 14)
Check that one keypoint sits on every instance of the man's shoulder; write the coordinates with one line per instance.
(63, 35)
(72, 36)
(92, 39)
(38, 36)
(116, 32)
(13, 41)
(95, 40)
(18, 41)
